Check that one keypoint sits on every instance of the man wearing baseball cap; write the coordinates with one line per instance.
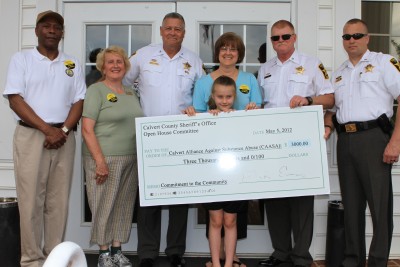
(45, 89)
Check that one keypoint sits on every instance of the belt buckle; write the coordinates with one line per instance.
(351, 128)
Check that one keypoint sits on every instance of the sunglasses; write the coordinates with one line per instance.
(355, 36)
(284, 37)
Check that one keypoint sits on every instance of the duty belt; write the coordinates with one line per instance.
(357, 126)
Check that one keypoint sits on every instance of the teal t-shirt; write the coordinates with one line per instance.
(115, 119)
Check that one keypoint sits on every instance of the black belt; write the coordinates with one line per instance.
(357, 126)
(57, 125)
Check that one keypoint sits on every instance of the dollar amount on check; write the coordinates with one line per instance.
(239, 155)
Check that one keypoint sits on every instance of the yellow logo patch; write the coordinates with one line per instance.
(112, 98)
(69, 64)
(245, 89)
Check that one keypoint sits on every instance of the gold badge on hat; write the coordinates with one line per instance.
(245, 89)
(369, 68)
(300, 70)
(70, 65)
(112, 98)
(186, 67)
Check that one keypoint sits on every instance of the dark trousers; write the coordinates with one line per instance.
(285, 215)
(149, 231)
(365, 178)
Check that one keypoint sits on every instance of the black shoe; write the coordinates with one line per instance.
(147, 262)
(176, 260)
(270, 262)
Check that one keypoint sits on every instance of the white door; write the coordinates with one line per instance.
(97, 25)
(134, 24)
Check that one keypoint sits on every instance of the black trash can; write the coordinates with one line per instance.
(335, 242)
(10, 245)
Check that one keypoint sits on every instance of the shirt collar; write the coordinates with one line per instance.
(160, 52)
(365, 58)
(294, 57)
(39, 56)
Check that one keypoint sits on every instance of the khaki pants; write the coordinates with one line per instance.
(43, 180)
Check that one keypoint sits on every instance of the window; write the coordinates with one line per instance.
(131, 37)
(383, 20)
(253, 35)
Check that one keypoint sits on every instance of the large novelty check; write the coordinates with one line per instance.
(240, 155)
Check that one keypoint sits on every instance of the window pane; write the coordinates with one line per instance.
(379, 44)
(255, 37)
(141, 36)
(376, 15)
(238, 29)
(209, 33)
(396, 19)
(395, 47)
(119, 35)
(95, 38)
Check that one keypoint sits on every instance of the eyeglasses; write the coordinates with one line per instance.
(226, 49)
(355, 36)
(284, 37)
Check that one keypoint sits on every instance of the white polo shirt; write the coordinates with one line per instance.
(301, 75)
(50, 88)
(165, 84)
(367, 90)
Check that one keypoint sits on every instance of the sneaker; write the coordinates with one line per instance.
(120, 260)
(105, 260)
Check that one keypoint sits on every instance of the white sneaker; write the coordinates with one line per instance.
(121, 261)
(105, 260)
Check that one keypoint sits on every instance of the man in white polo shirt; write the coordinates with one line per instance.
(45, 89)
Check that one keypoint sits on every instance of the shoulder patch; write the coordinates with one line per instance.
(324, 72)
(395, 63)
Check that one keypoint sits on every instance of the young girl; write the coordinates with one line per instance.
(223, 94)
(222, 214)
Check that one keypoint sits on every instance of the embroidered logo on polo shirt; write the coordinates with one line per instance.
(244, 89)
(70, 65)
(112, 98)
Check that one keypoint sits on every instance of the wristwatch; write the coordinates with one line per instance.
(310, 100)
(65, 129)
